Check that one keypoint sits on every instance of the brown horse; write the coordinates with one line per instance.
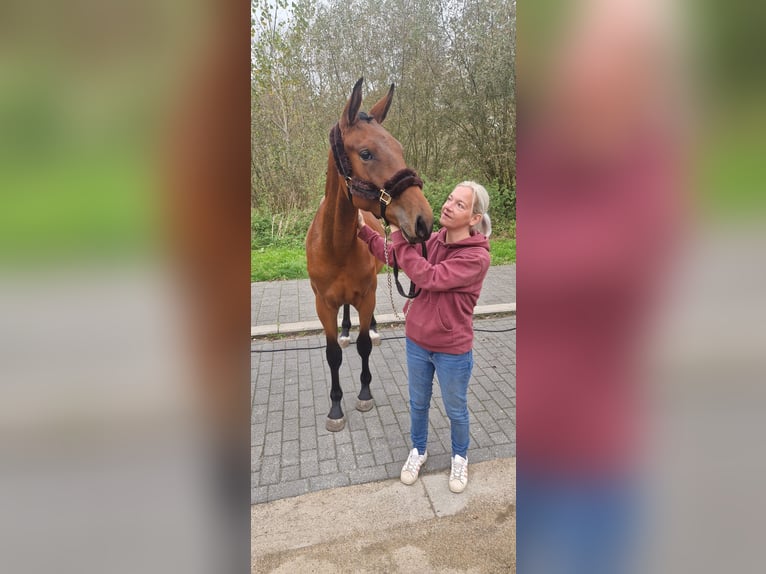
(366, 171)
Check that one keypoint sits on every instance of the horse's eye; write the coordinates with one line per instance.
(365, 155)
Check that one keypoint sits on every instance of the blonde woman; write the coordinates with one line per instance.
(439, 327)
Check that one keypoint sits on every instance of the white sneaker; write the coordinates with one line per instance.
(458, 476)
(411, 468)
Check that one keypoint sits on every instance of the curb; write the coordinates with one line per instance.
(388, 319)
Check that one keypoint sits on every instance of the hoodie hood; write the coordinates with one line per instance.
(475, 240)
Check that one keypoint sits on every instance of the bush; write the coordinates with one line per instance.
(275, 229)
(279, 229)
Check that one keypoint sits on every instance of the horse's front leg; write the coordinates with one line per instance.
(336, 421)
(364, 347)
(345, 326)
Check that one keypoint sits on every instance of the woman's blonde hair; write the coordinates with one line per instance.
(480, 206)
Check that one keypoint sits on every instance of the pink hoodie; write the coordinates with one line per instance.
(440, 318)
(597, 237)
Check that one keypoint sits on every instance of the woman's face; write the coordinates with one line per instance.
(456, 211)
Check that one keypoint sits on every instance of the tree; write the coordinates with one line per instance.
(452, 62)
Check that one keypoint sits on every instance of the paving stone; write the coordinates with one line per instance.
(345, 457)
(499, 438)
(436, 446)
(328, 481)
(288, 489)
(374, 429)
(400, 453)
(290, 473)
(326, 447)
(290, 430)
(480, 454)
(365, 460)
(276, 401)
(382, 456)
(305, 398)
(361, 442)
(274, 421)
(273, 444)
(438, 461)
(307, 416)
(309, 464)
(394, 469)
(328, 466)
(343, 437)
(258, 494)
(394, 434)
(291, 410)
(386, 414)
(488, 420)
(308, 438)
(370, 474)
(269, 473)
(290, 453)
(258, 413)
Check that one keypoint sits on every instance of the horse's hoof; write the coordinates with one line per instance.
(375, 338)
(335, 425)
(364, 406)
(344, 342)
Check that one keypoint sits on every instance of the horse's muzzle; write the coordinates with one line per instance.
(422, 229)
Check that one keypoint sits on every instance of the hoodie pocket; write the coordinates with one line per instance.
(444, 322)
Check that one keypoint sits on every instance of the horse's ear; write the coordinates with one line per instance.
(352, 106)
(380, 110)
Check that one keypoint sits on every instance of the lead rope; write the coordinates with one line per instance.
(390, 285)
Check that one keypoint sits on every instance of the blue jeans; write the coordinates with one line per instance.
(453, 372)
(578, 526)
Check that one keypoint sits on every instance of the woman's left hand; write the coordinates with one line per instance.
(393, 227)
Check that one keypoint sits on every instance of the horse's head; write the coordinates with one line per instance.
(379, 179)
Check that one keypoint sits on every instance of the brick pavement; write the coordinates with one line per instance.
(293, 301)
(293, 453)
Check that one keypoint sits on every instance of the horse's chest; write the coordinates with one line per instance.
(347, 285)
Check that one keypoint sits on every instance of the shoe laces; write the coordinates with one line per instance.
(459, 470)
(413, 461)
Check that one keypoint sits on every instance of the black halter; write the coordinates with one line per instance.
(391, 189)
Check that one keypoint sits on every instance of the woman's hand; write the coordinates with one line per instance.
(361, 223)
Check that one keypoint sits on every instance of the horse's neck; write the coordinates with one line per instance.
(339, 216)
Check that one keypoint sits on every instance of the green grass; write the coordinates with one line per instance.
(731, 173)
(269, 264)
(502, 251)
(74, 207)
(273, 263)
